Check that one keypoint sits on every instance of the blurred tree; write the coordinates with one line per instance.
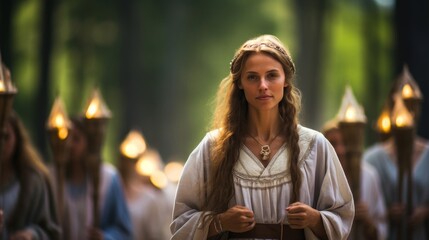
(311, 38)
(6, 10)
(376, 81)
(43, 88)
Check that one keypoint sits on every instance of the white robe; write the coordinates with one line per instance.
(266, 190)
(371, 194)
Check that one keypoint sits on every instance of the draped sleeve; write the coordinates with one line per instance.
(325, 186)
(191, 193)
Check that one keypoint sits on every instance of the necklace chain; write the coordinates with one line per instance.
(265, 148)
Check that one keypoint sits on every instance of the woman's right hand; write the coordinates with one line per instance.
(237, 219)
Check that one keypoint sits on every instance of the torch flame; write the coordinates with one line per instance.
(58, 119)
(96, 107)
(148, 163)
(63, 133)
(401, 117)
(173, 170)
(134, 145)
(6, 80)
(350, 110)
(159, 179)
(350, 114)
(407, 86)
(92, 108)
(407, 91)
(2, 87)
(383, 121)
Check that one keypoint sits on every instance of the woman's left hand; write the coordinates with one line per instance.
(301, 216)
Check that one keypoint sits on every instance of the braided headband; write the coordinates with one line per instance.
(255, 45)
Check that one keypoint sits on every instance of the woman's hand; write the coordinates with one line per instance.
(301, 215)
(22, 235)
(237, 219)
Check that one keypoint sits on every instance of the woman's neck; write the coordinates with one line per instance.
(7, 173)
(264, 125)
(77, 174)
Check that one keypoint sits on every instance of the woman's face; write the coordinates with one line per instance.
(263, 81)
(78, 146)
(9, 142)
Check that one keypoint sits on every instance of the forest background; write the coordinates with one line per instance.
(158, 63)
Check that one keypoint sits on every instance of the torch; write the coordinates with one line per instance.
(411, 94)
(403, 134)
(96, 117)
(351, 122)
(58, 128)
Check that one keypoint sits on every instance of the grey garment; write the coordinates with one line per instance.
(35, 208)
(387, 169)
(8, 196)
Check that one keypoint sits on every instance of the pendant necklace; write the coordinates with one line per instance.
(265, 149)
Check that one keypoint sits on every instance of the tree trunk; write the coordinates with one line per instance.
(6, 10)
(42, 102)
(310, 28)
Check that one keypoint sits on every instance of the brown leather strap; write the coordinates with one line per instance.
(270, 231)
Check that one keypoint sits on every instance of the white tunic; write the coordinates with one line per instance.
(266, 190)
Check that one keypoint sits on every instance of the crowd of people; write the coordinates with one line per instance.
(130, 205)
(258, 174)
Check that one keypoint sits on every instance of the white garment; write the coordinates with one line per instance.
(372, 195)
(265, 190)
(144, 214)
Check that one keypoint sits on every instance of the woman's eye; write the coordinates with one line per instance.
(272, 76)
(252, 77)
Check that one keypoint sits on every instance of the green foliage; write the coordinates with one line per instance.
(180, 51)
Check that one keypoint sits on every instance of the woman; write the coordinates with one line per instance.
(26, 197)
(259, 174)
(383, 157)
(145, 202)
(115, 222)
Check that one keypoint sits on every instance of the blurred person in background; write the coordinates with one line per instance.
(150, 168)
(259, 174)
(115, 222)
(26, 192)
(382, 156)
(370, 211)
(142, 199)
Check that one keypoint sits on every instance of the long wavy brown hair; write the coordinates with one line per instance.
(25, 160)
(231, 118)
